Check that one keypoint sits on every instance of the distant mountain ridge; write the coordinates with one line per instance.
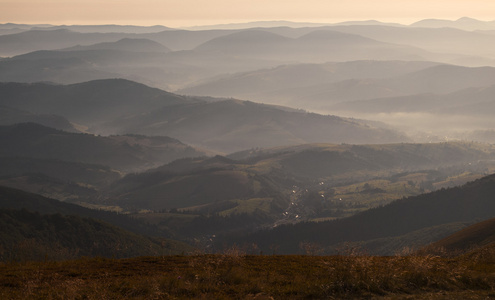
(125, 44)
(300, 81)
(27, 41)
(198, 55)
(474, 101)
(317, 46)
(464, 23)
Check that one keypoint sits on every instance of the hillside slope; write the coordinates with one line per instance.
(14, 199)
(31, 236)
(473, 237)
(120, 152)
(470, 202)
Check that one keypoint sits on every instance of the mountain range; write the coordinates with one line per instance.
(463, 23)
(357, 134)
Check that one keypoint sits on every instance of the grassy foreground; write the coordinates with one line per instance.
(238, 276)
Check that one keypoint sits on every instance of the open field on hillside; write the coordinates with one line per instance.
(238, 276)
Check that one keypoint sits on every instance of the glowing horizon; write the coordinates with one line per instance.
(188, 13)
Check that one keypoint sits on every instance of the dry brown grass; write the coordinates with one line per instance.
(235, 275)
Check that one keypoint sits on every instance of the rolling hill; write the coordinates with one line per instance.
(439, 79)
(463, 23)
(203, 184)
(15, 199)
(61, 180)
(265, 188)
(32, 40)
(126, 153)
(152, 64)
(475, 101)
(273, 174)
(232, 125)
(226, 125)
(11, 116)
(196, 55)
(283, 81)
(438, 40)
(334, 86)
(315, 47)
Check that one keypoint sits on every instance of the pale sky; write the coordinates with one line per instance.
(179, 13)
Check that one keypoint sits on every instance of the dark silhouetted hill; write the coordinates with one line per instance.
(31, 236)
(15, 199)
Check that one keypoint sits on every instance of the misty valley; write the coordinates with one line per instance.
(238, 146)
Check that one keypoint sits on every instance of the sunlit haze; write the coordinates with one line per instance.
(175, 13)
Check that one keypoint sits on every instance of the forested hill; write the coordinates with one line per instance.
(35, 227)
